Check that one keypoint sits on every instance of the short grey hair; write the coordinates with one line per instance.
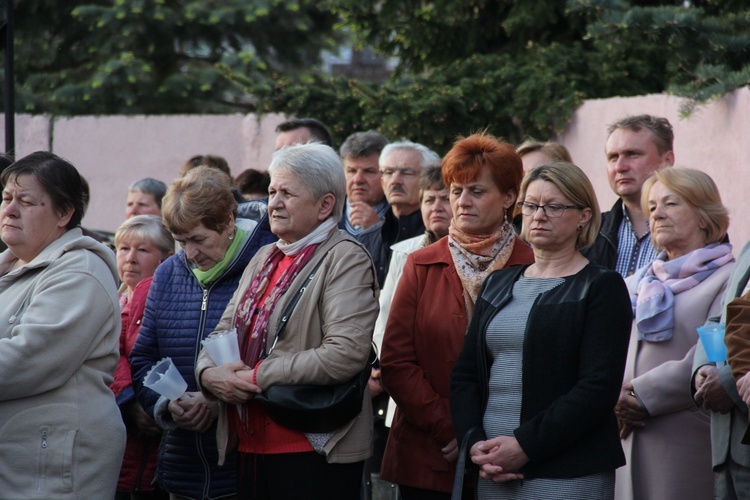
(429, 158)
(361, 144)
(148, 185)
(319, 168)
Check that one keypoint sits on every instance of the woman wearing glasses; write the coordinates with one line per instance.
(432, 307)
(534, 389)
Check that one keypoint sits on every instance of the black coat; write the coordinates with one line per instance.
(574, 353)
(604, 249)
(379, 238)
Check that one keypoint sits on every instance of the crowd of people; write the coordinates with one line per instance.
(519, 343)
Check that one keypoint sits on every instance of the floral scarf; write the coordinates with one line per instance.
(653, 287)
(253, 314)
(476, 256)
(255, 333)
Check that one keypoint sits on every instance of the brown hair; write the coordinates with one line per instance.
(203, 195)
(212, 161)
(59, 179)
(660, 128)
(554, 150)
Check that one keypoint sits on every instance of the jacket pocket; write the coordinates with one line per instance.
(43, 441)
(55, 461)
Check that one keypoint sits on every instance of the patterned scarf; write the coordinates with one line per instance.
(255, 333)
(653, 287)
(476, 256)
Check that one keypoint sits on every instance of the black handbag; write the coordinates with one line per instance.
(314, 408)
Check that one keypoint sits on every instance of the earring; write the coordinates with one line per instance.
(231, 236)
(580, 227)
(505, 217)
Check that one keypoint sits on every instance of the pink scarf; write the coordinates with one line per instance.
(653, 288)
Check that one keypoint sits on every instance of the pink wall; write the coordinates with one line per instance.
(113, 151)
(714, 139)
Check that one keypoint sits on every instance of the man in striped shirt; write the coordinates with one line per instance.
(636, 147)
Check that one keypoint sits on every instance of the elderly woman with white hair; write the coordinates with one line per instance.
(325, 341)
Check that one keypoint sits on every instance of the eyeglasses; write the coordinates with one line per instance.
(404, 172)
(552, 210)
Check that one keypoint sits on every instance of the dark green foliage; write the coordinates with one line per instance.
(513, 67)
(158, 56)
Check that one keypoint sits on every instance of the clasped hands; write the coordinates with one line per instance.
(193, 412)
(230, 382)
(499, 459)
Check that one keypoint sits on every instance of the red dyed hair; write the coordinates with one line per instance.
(469, 155)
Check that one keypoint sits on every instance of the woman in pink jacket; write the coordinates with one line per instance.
(142, 242)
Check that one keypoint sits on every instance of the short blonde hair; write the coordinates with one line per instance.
(699, 191)
(575, 186)
(203, 195)
(146, 228)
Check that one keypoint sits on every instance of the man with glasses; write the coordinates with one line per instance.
(382, 208)
(636, 147)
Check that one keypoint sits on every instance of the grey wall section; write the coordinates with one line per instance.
(113, 151)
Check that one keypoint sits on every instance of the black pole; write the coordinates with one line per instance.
(10, 104)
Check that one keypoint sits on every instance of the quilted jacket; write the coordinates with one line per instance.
(180, 312)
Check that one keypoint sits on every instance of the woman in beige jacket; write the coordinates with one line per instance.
(326, 340)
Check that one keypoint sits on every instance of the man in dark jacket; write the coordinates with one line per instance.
(366, 208)
(636, 147)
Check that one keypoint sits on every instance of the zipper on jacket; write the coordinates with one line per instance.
(42, 461)
(205, 299)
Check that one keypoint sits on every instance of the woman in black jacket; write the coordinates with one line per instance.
(533, 392)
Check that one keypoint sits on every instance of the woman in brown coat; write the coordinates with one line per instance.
(432, 308)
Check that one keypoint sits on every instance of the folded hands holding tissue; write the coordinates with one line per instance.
(231, 380)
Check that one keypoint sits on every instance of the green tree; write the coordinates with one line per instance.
(158, 56)
(513, 67)
(520, 68)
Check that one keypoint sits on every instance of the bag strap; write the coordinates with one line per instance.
(463, 458)
(293, 303)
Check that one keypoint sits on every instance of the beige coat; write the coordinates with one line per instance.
(671, 456)
(327, 338)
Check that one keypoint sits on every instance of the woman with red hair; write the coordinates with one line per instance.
(432, 308)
